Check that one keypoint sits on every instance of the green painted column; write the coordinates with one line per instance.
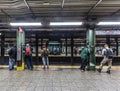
(20, 45)
(91, 45)
(87, 43)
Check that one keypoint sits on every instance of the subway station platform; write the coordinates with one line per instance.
(59, 78)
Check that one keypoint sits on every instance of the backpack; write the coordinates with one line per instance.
(27, 51)
(45, 54)
(109, 53)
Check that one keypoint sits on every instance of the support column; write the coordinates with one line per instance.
(61, 45)
(2, 44)
(2, 47)
(41, 42)
(37, 58)
(72, 42)
(91, 45)
(108, 40)
(66, 46)
(20, 45)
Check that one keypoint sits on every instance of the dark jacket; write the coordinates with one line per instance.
(12, 52)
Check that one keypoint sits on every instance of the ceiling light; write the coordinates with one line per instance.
(108, 23)
(25, 24)
(64, 23)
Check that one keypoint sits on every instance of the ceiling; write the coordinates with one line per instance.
(58, 10)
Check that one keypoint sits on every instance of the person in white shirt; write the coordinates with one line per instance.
(107, 53)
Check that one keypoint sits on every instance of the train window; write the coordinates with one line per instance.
(55, 47)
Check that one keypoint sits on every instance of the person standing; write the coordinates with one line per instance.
(28, 56)
(12, 56)
(84, 57)
(44, 55)
(107, 53)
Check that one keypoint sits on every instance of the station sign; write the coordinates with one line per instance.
(108, 32)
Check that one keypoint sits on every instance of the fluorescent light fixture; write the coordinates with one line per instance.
(64, 23)
(25, 24)
(108, 23)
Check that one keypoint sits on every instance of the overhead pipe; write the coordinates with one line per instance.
(94, 6)
(63, 2)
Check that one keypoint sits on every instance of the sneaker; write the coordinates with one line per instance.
(108, 71)
(82, 70)
(10, 69)
(99, 70)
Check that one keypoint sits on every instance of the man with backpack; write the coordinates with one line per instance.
(12, 56)
(44, 55)
(108, 55)
(28, 56)
(84, 57)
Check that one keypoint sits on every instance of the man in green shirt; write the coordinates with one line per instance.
(84, 57)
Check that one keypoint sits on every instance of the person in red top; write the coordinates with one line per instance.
(28, 56)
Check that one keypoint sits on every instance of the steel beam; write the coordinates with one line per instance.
(115, 12)
(26, 3)
(94, 6)
(5, 13)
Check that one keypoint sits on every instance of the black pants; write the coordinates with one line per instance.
(83, 64)
(29, 62)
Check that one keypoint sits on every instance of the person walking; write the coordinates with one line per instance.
(12, 57)
(107, 53)
(44, 55)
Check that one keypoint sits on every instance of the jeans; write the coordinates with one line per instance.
(83, 64)
(11, 63)
(45, 61)
(29, 62)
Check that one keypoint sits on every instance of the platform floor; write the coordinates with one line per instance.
(59, 79)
